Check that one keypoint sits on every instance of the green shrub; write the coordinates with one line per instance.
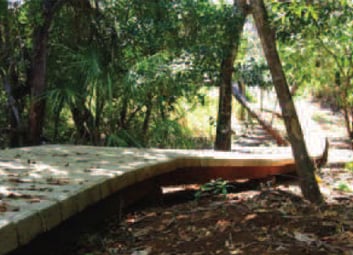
(344, 187)
(170, 134)
(214, 187)
(349, 166)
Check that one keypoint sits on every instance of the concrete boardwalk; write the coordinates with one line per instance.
(40, 187)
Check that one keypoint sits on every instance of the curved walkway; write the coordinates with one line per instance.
(40, 187)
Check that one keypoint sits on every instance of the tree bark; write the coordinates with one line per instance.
(16, 130)
(14, 90)
(304, 165)
(147, 118)
(280, 140)
(346, 107)
(224, 132)
(37, 85)
(347, 120)
(79, 120)
(123, 113)
(84, 122)
(242, 90)
(37, 73)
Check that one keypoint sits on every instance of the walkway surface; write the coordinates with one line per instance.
(42, 186)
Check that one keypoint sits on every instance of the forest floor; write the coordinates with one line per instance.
(254, 217)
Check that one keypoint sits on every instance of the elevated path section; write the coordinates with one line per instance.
(40, 187)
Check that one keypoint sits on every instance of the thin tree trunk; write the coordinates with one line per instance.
(84, 123)
(37, 85)
(345, 106)
(10, 81)
(57, 120)
(261, 99)
(79, 120)
(305, 166)
(224, 132)
(16, 131)
(36, 79)
(242, 90)
(146, 121)
(123, 113)
(280, 140)
(346, 120)
(351, 134)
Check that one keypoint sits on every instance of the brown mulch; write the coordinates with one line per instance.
(265, 221)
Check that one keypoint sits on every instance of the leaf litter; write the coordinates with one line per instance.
(271, 221)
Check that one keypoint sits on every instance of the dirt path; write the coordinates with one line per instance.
(331, 125)
(317, 123)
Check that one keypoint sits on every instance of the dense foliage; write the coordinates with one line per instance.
(317, 48)
(116, 72)
(115, 69)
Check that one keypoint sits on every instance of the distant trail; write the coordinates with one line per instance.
(317, 123)
(322, 122)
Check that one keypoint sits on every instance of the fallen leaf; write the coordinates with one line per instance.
(222, 225)
(19, 180)
(345, 236)
(306, 238)
(143, 232)
(250, 217)
(34, 200)
(146, 251)
(57, 181)
(3, 206)
(184, 236)
(182, 217)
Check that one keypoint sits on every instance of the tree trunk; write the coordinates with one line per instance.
(345, 106)
(305, 166)
(242, 90)
(266, 126)
(224, 132)
(36, 79)
(10, 79)
(351, 133)
(123, 113)
(84, 123)
(79, 120)
(16, 130)
(347, 120)
(37, 84)
(261, 99)
(147, 119)
(57, 112)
